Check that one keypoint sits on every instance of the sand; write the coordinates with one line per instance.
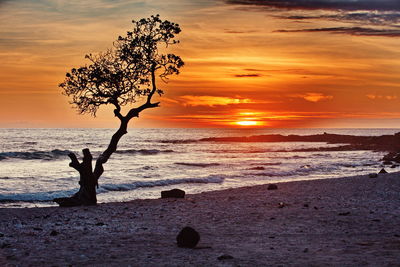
(352, 221)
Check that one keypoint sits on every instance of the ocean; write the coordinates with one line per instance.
(34, 163)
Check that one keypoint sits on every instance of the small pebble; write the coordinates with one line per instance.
(225, 257)
(53, 233)
(281, 205)
(272, 187)
(5, 245)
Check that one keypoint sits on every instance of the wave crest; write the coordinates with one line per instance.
(131, 186)
(42, 155)
(202, 165)
(143, 151)
(49, 196)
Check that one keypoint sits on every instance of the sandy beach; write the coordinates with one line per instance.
(350, 221)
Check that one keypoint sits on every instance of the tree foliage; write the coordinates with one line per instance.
(126, 73)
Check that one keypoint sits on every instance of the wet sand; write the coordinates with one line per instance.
(350, 221)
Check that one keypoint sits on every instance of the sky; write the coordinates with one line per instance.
(248, 63)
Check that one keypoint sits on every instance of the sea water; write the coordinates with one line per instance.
(34, 163)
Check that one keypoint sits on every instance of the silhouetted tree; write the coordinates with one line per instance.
(123, 75)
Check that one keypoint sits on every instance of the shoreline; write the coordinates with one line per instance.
(348, 221)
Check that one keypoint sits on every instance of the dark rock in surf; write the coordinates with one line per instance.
(387, 162)
(174, 193)
(382, 171)
(272, 187)
(187, 238)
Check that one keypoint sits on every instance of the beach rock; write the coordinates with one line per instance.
(387, 162)
(272, 187)
(394, 166)
(383, 171)
(225, 257)
(372, 175)
(187, 238)
(174, 193)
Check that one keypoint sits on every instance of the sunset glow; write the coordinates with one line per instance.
(247, 123)
(261, 62)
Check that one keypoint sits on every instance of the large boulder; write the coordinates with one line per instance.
(187, 238)
(174, 193)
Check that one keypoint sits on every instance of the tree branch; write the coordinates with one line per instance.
(135, 111)
(74, 162)
(117, 110)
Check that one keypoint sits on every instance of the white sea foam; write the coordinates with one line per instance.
(49, 196)
(131, 186)
(34, 162)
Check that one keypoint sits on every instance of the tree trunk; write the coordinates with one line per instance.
(88, 182)
(89, 177)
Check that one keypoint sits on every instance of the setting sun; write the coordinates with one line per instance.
(247, 123)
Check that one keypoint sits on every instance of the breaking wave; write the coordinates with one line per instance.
(42, 155)
(143, 151)
(131, 186)
(49, 196)
(202, 165)
(36, 197)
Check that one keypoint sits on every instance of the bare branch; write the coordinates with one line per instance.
(74, 161)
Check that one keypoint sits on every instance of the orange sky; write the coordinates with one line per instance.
(247, 63)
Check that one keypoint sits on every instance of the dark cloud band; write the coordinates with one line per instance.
(381, 5)
(357, 31)
(373, 18)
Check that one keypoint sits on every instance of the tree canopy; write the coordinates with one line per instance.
(125, 73)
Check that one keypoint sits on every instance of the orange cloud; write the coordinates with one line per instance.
(191, 100)
(388, 97)
(315, 97)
